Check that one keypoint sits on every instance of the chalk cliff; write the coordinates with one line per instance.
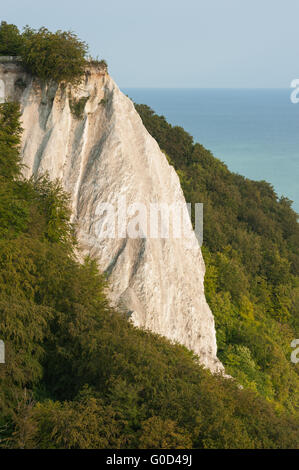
(91, 137)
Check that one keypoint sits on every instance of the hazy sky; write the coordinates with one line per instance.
(172, 43)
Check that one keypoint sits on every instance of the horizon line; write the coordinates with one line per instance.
(201, 88)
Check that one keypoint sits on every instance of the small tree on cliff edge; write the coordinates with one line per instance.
(11, 40)
(58, 56)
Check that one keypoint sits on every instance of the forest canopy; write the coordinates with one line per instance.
(251, 252)
(77, 373)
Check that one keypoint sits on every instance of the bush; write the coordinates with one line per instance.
(97, 62)
(11, 40)
(58, 56)
(77, 106)
(10, 136)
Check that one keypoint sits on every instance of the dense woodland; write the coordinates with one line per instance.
(78, 375)
(251, 251)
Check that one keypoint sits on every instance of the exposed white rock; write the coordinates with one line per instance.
(106, 155)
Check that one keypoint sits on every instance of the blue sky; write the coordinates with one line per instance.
(171, 43)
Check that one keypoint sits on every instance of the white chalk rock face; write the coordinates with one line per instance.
(91, 137)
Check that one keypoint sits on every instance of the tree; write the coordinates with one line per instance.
(58, 56)
(11, 41)
(159, 434)
(10, 136)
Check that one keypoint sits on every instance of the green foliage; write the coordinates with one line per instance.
(58, 56)
(77, 106)
(11, 41)
(163, 434)
(101, 63)
(10, 136)
(13, 211)
(84, 424)
(79, 375)
(54, 204)
(104, 101)
(251, 251)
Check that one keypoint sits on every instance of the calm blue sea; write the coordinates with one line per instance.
(255, 132)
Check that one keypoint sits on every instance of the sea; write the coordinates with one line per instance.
(255, 132)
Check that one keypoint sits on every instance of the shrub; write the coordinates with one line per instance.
(77, 106)
(10, 135)
(11, 40)
(58, 56)
(98, 62)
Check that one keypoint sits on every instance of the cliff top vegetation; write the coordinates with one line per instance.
(59, 56)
